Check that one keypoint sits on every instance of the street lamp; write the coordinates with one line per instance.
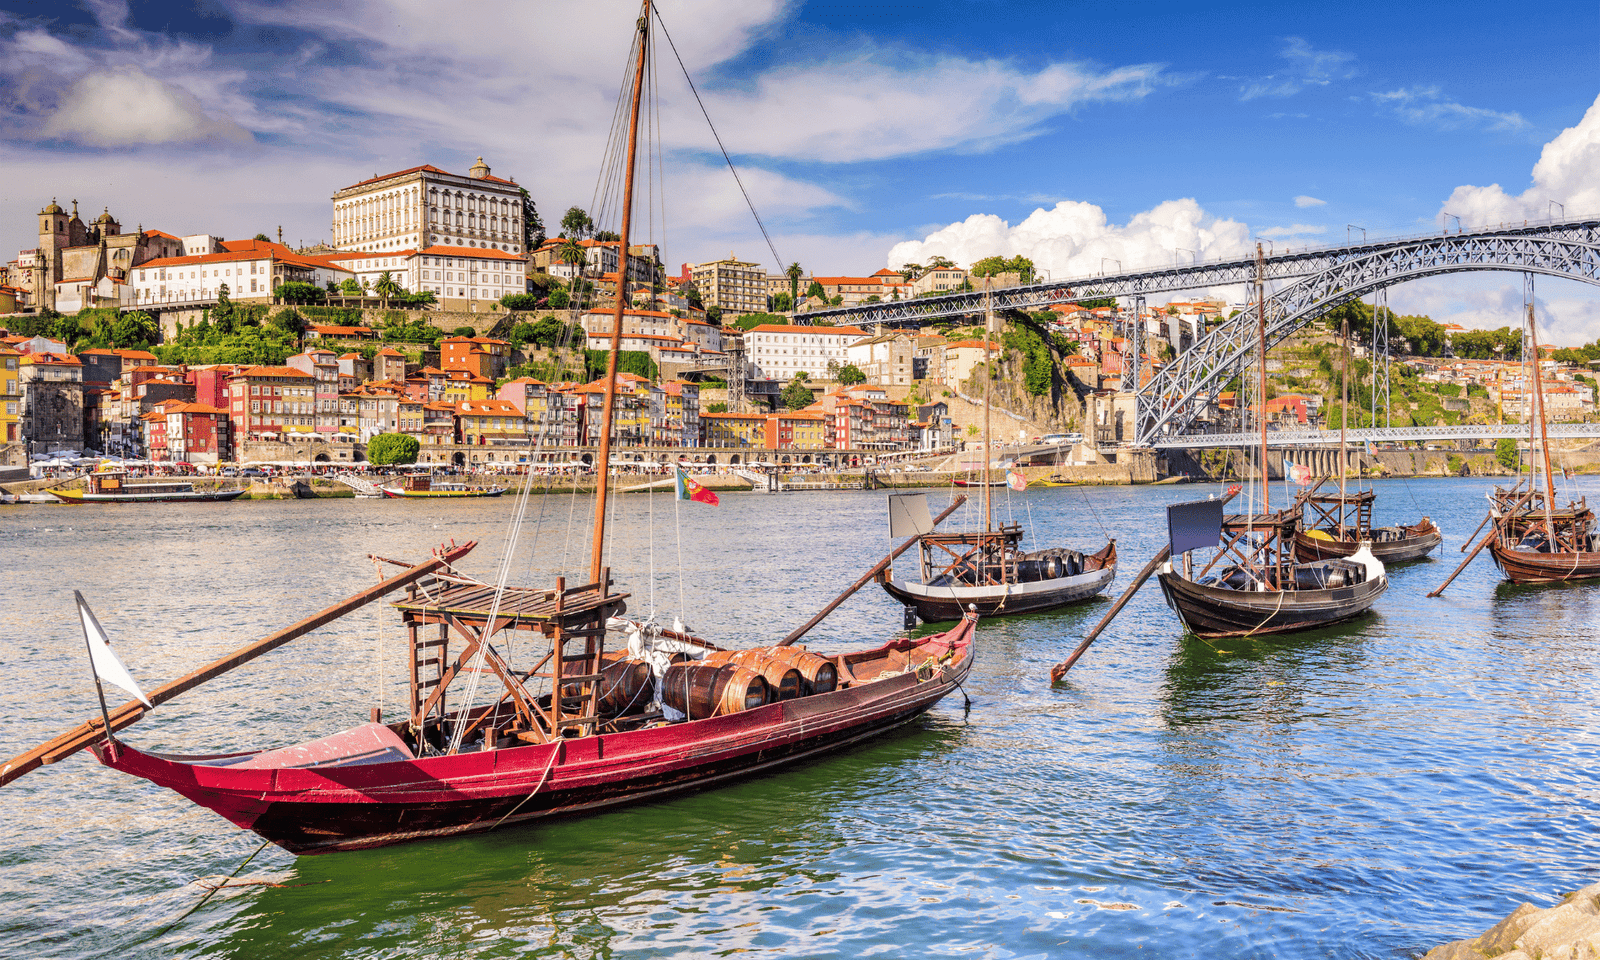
(1350, 226)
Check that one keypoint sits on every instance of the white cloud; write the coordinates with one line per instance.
(1429, 106)
(123, 107)
(1568, 172)
(1293, 230)
(1073, 239)
(1304, 201)
(1567, 311)
(1307, 66)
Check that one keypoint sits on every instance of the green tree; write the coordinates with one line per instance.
(532, 225)
(297, 292)
(391, 448)
(794, 273)
(912, 271)
(940, 263)
(386, 287)
(262, 236)
(717, 408)
(291, 322)
(559, 299)
(796, 395)
(850, 374)
(350, 287)
(1505, 453)
(714, 315)
(996, 265)
(576, 224)
(69, 330)
(815, 292)
(135, 330)
(520, 301)
(782, 303)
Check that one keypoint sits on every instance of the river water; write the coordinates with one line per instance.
(1365, 791)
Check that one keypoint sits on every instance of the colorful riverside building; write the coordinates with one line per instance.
(735, 429)
(197, 432)
(271, 403)
(323, 365)
(496, 423)
(10, 395)
(484, 356)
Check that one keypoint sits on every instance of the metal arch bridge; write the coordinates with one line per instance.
(1295, 438)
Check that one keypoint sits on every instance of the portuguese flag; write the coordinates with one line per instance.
(689, 490)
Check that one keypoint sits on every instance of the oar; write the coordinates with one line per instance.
(1060, 670)
(865, 577)
(1486, 518)
(93, 731)
(1481, 543)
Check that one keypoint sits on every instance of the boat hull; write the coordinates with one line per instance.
(936, 604)
(1420, 540)
(1208, 611)
(440, 494)
(188, 496)
(1527, 566)
(318, 809)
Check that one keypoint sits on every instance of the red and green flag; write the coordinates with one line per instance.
(689, 490)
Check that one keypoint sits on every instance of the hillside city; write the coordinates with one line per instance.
(439, 310)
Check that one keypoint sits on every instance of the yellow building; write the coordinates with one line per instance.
(735, 429)
(464, 385)
(491, 423)
(10, 396)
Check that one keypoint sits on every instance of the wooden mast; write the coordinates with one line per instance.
(1344, 413)
(596, 562)
(988, 377)
(1261, 400)
(1544, 431)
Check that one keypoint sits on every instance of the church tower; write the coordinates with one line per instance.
(55, 235)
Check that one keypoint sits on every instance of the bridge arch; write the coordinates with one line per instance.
(1182, 390)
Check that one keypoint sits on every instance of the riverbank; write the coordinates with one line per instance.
(1570, 930)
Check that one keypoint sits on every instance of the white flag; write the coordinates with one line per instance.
(105, 663)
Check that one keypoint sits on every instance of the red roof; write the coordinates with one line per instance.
(429, 168)
(795, 328)
(482, 253)
(272, 372)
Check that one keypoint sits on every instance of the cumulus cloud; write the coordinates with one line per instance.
(1568, 172)
(1567, 311)
(124, 107)
(1293, 230)
(1074, 239)
(1429, 106)
(1304, 201)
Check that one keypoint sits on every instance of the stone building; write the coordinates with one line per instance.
(425, 206)
(79, 264)
(52, 401)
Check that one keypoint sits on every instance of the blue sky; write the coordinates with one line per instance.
(1072, 132)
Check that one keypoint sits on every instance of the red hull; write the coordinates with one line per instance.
(1527, 566)
(355, 801)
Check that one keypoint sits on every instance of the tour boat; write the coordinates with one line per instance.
(422, 486)
(111, 484)
(578, 727)
(986, 570)
(1255, 583)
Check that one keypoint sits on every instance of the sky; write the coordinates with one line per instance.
(1082, 135)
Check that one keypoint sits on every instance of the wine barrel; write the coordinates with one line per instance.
(624, 687)
(819, 674)
(782, 677)
(703, 690)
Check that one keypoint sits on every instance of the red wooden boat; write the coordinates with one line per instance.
(580, 728)
(379, 784)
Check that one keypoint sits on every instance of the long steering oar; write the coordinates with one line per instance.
(865, 577)
(1060, 670)
(1481, 543)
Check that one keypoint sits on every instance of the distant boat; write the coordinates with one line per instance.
(111, 484)
(962, 482)
(423, 486)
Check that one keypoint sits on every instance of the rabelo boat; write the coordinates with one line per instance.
(592, 722)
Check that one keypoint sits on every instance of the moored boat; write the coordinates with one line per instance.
(1343, 522)
(112, 484)
(422, 486)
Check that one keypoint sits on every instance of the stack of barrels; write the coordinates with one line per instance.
(728, 681)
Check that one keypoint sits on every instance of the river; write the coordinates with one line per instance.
(1366, 791)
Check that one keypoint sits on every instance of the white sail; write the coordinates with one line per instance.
(105, 663)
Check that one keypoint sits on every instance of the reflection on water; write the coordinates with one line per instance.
(1364, 791)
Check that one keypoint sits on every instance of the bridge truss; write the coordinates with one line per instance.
(1296, 438)
(1183, 391)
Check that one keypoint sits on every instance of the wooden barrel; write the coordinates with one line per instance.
(703, 690)
(625, 686)
(782, 677)
(819, 674)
